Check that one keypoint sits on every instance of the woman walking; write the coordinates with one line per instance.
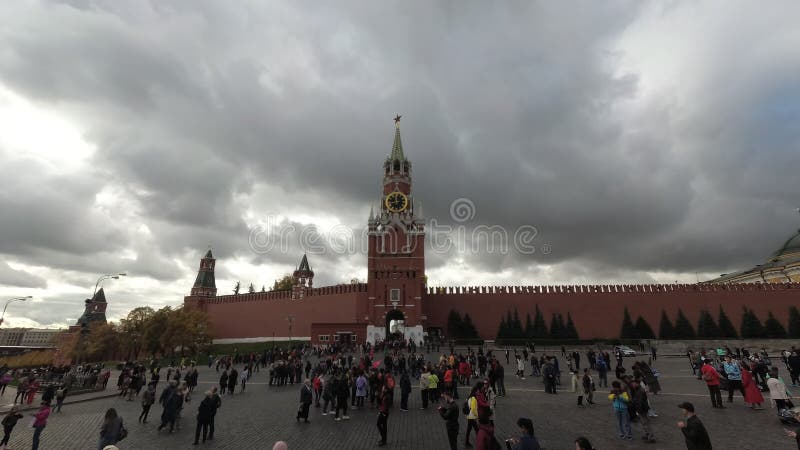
(9, 422)
(111, 431)
(39, 423)
(752, 394)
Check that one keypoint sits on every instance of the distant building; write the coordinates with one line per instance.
(39, 337)
(28, 337)
(782, 267)
(11, 336)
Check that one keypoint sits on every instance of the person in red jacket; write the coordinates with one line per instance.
(711, 377)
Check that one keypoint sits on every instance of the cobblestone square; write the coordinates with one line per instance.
(262, 415)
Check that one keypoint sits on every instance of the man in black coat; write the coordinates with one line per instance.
(449, 412)
(306, 397)
(205, 414)
(693, 429)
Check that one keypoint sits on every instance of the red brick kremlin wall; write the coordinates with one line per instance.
(597, 310)
(261, 314)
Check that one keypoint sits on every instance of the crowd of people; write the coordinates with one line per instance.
(339, 380)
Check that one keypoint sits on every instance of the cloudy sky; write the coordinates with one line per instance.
(621, 141)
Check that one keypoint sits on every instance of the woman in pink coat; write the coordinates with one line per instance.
(752, 394)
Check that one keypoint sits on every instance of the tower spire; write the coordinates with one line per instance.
(397, 147)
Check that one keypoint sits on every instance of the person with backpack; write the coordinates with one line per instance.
(640, 406)
(620, 400)
(9, 422)
(112, 430)
(470, 409)
(449, 412)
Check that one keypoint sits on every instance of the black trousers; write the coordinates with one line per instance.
(211, 428)
(452, 436)
(716, 395)
(201, 425)
(302, 413)
(424, 393)
(382, 426)
(734, 385)
(145, 411)
(341, 404)
(6, 435)
(404, 400)
(471, 424)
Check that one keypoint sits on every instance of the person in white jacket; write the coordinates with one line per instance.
(777, 390)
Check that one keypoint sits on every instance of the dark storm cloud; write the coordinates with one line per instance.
(209, 118)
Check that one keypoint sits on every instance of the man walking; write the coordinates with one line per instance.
(383, 414)
(711, 377)
(734, 373)
(693, 430)
(306, 397)
(449, 412)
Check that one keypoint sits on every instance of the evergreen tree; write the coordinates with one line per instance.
(706, 327)
(539, 326)
(454, 325)
(502, 330)
(570, 332)
(643, 329)
(751, 326)
(555, 329)
(794, 322)
(528, 327)
(683, 328)
(628, 330)
(468, 328)
(726, 328)
(665, 328)
(773, 329)
(516, 327)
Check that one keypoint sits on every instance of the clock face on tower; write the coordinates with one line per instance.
(396, 202)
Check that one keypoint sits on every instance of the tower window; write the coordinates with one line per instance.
(394, 295)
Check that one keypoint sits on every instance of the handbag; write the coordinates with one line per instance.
(123, 433)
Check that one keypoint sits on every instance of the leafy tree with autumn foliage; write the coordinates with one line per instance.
(165, 332)
(284, 284)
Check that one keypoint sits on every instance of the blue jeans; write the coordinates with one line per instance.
(38, 430)
(623, 423)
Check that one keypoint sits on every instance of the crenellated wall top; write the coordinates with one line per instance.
(610, 288)
(287, 295)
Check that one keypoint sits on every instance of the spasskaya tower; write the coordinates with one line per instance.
(396, 257)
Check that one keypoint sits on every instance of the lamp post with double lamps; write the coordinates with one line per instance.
(105, 277)
(13, 299)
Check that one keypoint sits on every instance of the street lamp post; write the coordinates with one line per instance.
(105, 277)
(14, 299)
(290, 319)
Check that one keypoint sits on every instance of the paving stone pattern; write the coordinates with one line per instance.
(262, 415)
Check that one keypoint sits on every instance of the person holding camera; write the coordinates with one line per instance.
(527, 441)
